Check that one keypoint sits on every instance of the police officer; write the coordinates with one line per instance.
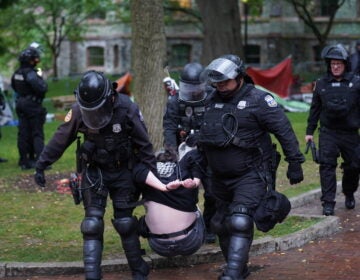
(235, 137)
(30, 89)
(182, 120)
(114, 133)
(336, 106)
(355, 59)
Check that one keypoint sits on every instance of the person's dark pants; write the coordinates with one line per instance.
(333, 144)
(238, 197)
(209, 204)
(30, 140)
(118, 183)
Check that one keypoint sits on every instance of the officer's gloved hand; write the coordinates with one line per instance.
(192, 139)
(295, 173)
(40, 177)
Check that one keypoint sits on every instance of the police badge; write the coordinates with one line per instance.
(116, 128)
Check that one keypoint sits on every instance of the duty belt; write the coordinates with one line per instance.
(173, 234)
(340, 131)
(32, 98)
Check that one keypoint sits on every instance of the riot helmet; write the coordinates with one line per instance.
(335, 52)
(191, 85)
(94, 96)
(226, 67)
(30, 55)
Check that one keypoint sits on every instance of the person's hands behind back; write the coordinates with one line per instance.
(39, 178)
(295, 173)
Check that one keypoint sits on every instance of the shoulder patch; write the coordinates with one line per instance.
(270, 101)
(68, 116)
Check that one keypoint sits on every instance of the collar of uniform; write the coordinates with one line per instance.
(346, 77)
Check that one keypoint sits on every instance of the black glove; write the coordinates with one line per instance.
(295, 173)
(40, 177)
(192, 140)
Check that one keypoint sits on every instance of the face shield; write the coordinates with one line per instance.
(191, 92)
(221, 69)
(99, 116)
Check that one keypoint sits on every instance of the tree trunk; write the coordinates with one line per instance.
(148, 58)
(222, 28)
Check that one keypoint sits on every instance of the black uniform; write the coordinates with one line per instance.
(180, 120)
(30, 89)
(235, 137)
(336, 104)
(181, 199)
(107, 159)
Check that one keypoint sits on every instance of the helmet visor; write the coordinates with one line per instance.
(221, 69)
(191, 92)
(99, 116)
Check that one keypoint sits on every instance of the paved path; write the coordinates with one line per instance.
(334, 257)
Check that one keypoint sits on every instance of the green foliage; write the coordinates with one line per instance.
(48, 22)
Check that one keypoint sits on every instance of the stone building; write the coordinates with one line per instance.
(270, 37)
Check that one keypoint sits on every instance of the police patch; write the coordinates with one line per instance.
(116, 128)
(270, 101)
(68, 116)
(188, 111)
(241, 104)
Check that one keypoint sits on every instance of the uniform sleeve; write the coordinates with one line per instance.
(61, 140)
(140, 138)
(171, 121)
(197, 164)
(37, 83)
(273, 117)
(314, 113)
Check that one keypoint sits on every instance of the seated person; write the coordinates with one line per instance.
(173, 224)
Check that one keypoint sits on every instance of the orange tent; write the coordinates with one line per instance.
(123, 84)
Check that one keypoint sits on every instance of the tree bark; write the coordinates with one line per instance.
(222, 28)
(148, 59)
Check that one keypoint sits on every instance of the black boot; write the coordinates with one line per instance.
(92, 251)
(328, 208)
(127, 228)
(350, 201)
(238, 253)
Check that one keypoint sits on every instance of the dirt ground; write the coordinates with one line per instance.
(54, 182)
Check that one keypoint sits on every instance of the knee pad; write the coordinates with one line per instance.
(125, 226)
(240, 225)
(92, 227)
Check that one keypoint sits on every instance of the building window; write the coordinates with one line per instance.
(116, 56)
(327, 7)
(252, 54)
(95, 56)
(317, 53)
(180, 55)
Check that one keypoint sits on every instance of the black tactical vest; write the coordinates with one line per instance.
(340, 102)
(110, 145)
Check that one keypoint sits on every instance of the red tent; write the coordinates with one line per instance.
(277, 79)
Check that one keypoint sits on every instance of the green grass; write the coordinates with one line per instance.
(45, 226)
